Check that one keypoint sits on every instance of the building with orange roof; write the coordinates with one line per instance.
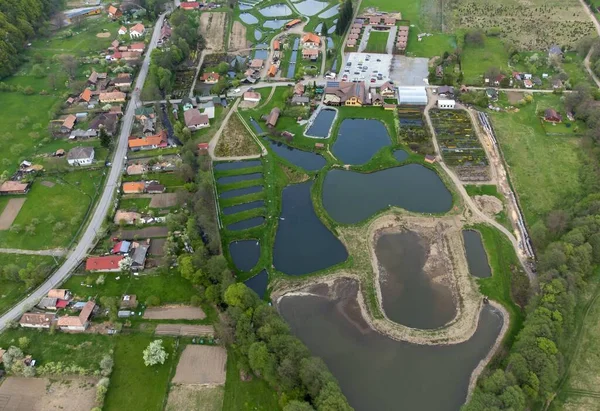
(276, 45)
(114, 12)
(272, 71)
(133, 187)
(147, 143)
(292, 23)
(137, 31)
(311, 40)
(86, 95)
(210, 77)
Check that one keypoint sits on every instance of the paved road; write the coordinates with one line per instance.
(56, 252)
(106, 200)
(469, 201)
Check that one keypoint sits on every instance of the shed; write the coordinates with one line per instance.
(446, 104)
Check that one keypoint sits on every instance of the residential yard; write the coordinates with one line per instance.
(51, 216)
(133, 385)
(377, 42)
(476, 60)
(544, 170)
(252, 395)
(236, 140)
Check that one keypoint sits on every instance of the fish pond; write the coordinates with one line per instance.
(302, 243)
(246, 224)
(377, 373)
(243, 207)
(305, 159)
(276, 10)
(244, 254)
(235, 165)
(321, 125)
(257, 34)
(274, 24)
(258, 283)
(311, 7)
(330, 12)
(359, 139)
(409, 296)
(240, 192)
(476, 255)
(238, 178)
(248, 18)
(350, 197)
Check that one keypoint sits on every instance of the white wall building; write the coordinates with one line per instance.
(446, 104)
(81, 156)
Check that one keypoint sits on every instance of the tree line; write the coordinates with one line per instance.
(345, 19)
(21, 20)
(568, 243)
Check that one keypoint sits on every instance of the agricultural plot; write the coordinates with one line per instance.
(412, 130)
(186, 397)
(236, 140)
(460, 145)
(201, 364)
(212, 28)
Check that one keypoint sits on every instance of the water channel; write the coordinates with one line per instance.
(410, 296)
(377, 373)
(276, 10)
(235, 165)
(258, 283)
(476, 255)
(246, 224)
(302, 243)
(243, 207)
(322, 124)
(358, 140)
(245, 254)
(350, 197)
(238, 178)
(240, 192)
(307, 160)
(293, 58)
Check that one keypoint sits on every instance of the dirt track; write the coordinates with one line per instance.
(10, 212)
(174, 312)
(201, 364)
(237, 37)
(212, 28)
(43, 394)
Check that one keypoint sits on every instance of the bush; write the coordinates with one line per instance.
(153, 301)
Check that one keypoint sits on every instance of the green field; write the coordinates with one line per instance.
(544, 170)
(377, 42)
(253, 395)
(134, 386)
(56, 212)
(476, 60)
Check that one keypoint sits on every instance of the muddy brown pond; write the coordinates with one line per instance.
(375, 372)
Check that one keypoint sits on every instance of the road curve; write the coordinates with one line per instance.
(106, 200)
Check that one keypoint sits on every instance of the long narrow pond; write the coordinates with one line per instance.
(240, 192)
(235, 165)
(306, 160)
(238, 178)
(243, 207)
(377, 373)
(410, 296)
(302, 243)
(350, 197)
(358, 140)
(476, 255)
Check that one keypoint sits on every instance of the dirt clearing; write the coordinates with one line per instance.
(10, 212)
(195, 398)
(103, 35)
(235, 140)
(201, 364)
(43, 394)
(212, 27)
(185, 330)
(514, 96)
(174, 312)
(147, 232)
(163, 200)
(237, 37)
(157, 246)
(490, 205)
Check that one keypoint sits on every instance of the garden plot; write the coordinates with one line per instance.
(460, 145)
(148, 232)
(237, 37)
(174, 312)
(184, 330)
(187, 397)
(43, 394)
(201, 364)
(163, 200)
(10, 212)
(412, 130)
(212, 28)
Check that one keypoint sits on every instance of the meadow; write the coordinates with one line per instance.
(476, 60)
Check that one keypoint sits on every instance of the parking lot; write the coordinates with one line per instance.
(376, 69)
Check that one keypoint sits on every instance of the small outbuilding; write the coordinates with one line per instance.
(446, 104)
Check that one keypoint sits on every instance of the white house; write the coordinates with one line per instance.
(37, 320)
(137, 31)
(252, 96)
(81, 156)
(122, 31)
(446, 104)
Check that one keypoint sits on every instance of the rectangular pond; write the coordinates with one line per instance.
(240, 192)
(476, 255)
(243, 207)
(246, 224)
(321, 125)
(235, 179)
(235, 165)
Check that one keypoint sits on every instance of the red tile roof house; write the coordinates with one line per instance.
(311, 54)
(190, 5)
(137, 31)
(194, 120)
(59, 293)
(552, 116)
(203, 148)
(37, 320)
(78, 323)
(108, 263)
(252, 96)
(311, 40)
(14, 187)
(210, 78)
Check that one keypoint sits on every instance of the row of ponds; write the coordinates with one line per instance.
(306, 8)
(374, 371)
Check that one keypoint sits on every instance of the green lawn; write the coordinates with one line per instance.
(84, 350)
(429, 46)
(377, 42)
(544, 170)
(134, 386)
(13, 291)
(476, 60)
(59, 211)
(410, 9)
(253, 395)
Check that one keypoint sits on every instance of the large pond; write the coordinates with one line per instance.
(235, 165)
(235, 179)
(310, 7)
(246, 224)
(274, 24)
(322, 124)
(306, 160)
(377, 373)
(330, 12)
(350, 197)
(358, 140)
(258, 283)
(276, 10)
(302, 243)
(243, 207)
(245, 254)
(476, 255)
(248, 18)
(240, 192)
(409, 296)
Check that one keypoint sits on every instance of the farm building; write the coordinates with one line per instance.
(414, 96)
(272, 117)
(292, 23)
(252, 96)
(14, 187)
(108, 263)
(37, 320)
(133, 187)
(128, 301)
(446, 104)
(77, 323)
(81, 156)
